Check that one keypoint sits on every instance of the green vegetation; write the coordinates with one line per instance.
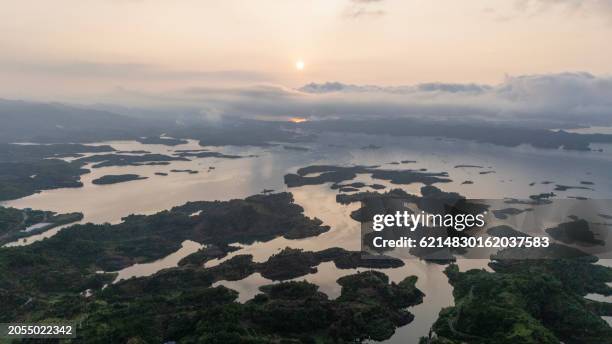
(27, 169)
(577, 231)
(67, 263)
(243, 132)
(510, 136)
(505, 231)
(296, 148)
(20, 179)
(18, 223)
(46, 280)
(183, 308)
(160, 140)
(185, 171)
(207, 154)
(288, 263)
(207, 253)
(106, 160)
(433, 200)
(527, 301)
(339, 174)
(503, 214)
(116, 178)
(33, 152)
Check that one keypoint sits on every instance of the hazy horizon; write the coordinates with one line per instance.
(322, 171)
(75, 50)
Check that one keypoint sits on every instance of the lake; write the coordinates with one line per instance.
(514, 170)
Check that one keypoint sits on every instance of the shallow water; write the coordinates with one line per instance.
(514, 169)
(170, 261)
(591, 130)
(37, 226)
(40, 236)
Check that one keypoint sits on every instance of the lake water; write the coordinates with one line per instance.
(515, 168)
(146, 269)
(37, 226)
(591, 130)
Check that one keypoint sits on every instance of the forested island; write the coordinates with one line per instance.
(173, 302)
(179, 305)
(116, 178)
(31, 168)
(320, 174)
(527, 301)
(71, 276)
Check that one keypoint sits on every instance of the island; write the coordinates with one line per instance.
(116, 178)
(296, 148)
(369, 307)
(72, 260)
(185, 171)
(526, 301)
(161, 140)
(181, 304)
(288, 263)
(577, 231)
(339, 174)
(28, 169)
(107, 160)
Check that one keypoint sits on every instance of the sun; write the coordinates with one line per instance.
(299, 65)
(298, 119)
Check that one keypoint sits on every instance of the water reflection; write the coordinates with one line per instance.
(139, 270)
(37, 237)
(515, 169)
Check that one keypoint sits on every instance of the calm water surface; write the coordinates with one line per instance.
(515, 168)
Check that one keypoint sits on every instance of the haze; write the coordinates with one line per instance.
(75, 49)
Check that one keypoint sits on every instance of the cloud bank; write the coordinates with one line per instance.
(532, 8)
(550, 99)
(89, 69)
(363, 8)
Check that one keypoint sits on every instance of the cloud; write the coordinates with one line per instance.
(87, 69)
(434, 86)
(556, 99)
(360, 12)
(524, 5)
(532, 8)
(363, 9)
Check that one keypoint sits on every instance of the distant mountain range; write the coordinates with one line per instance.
(54, 122)
(58, 123)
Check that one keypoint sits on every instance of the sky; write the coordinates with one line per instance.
(100, 50)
